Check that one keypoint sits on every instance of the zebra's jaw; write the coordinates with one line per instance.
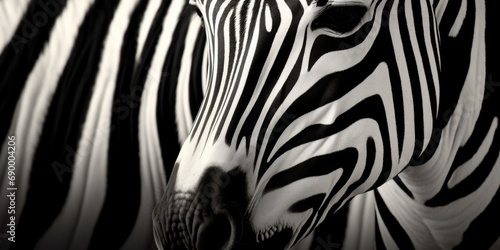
(204, 220)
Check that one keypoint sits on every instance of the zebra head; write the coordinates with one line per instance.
(309, 103)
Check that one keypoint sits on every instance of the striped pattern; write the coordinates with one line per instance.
(400, 104)
(92, 90)
(100, 94)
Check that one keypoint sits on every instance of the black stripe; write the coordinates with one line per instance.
(315, 166)
(435, 39)
(55, 155)
(403, 187)
(435, 4)
(195, 83)
(484, 227)
(167, 91)
(20, 55)
(379, 241)
(397, 232)
(305, 204)
(492, 88)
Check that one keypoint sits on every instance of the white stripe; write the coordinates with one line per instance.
(469, 166)
(205, 69)
(269, 19)
(457, 25)
(11, 13)
(496, 245)
(145, 27)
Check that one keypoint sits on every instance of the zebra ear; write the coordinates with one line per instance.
(340, 19)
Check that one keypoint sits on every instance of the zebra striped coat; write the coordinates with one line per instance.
(99, 96)
(84, 88)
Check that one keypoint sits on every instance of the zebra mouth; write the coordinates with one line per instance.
(274, 238)
(269, 233)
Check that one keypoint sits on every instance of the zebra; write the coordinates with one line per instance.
(391, 105)
(88, 93)
(134, 83)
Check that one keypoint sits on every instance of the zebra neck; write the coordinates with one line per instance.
(447, 200)
(452, 195)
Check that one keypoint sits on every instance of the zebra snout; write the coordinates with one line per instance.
(210, 217)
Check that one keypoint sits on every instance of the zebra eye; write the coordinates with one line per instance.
(340, 19)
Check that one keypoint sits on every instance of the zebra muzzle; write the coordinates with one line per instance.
(209, 217)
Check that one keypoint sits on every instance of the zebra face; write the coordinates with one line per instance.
(309, 103)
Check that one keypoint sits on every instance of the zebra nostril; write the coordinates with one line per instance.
(214, 233)
(208, 218)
